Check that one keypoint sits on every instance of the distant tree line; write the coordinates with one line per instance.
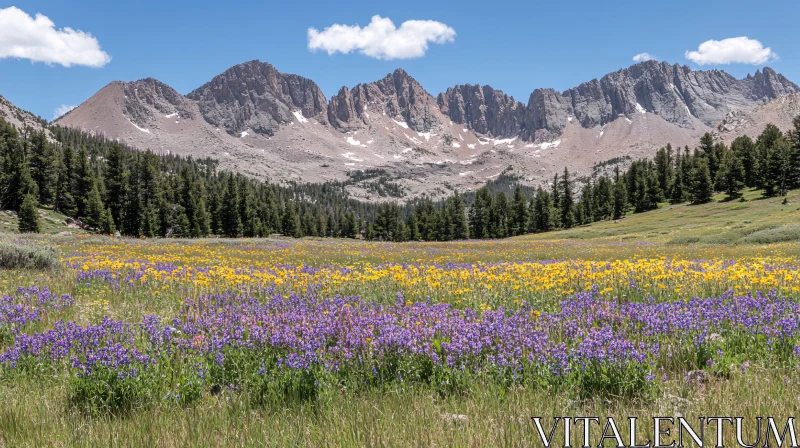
(110, 187)
(771, 163)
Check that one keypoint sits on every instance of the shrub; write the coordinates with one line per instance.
(597, 379)
(775, 235)
(28, 256)
(28, 216)
(685, 239)
(105, 391)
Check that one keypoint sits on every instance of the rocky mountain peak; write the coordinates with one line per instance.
(483, 109)
(768, 84)
(145, 96)
(344, 113)
(242, 119)
(254, 95)
(547, 113)
(674, 92)
(397, 95)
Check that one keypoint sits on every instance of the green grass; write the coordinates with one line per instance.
(35, 414)
(719, 222)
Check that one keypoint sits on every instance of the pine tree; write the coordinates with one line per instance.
(585, 207)
(479, 214)
(566, 201)
(499, 216)
(780, 169)
(291, 222)
(387, 222)
(413, 227)
(349, 228)
(678, 193)
(229, 214)
(543, 211)
(744, 148)
(16, 177)
(181, 224)
(320, 218)
(620, 199)
(192, 192)
(132, 204)
(654, 193)
(519, 212)
(307, 223)
(731, 174)
(331, 230)
(84, 182)
(251, 222)
(531, 224)
(201, 218)
(64, 201)
(458, 218)
(702, 187)
(149, 222)
(663, 163)
(793, 136)
(107, 223)
(604, 199)
(173, 196)
(44, 167)
(710, 153)
(94, 208)
(117, 183)
(555, 200)
(369, 235)
(149, 192)
(28, 216)
(765, 147)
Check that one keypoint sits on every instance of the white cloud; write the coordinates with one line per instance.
(381, 39)
(37, 39)
(62, 110)
(741, 50)
(644, 57)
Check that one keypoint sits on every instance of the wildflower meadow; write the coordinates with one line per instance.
(329, 342)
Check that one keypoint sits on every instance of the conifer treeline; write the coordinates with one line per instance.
(112, 188)
(770, 163)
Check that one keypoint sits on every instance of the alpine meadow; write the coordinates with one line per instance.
(270, 260)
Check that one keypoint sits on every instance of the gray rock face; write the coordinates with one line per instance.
(149, 91)
(768, 85)
(674, 92)
(255, 95)
(19, 118)
(398, 95)
(547, 111)
(346, 112)
(483, 109)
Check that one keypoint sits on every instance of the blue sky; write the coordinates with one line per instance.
(512, 46)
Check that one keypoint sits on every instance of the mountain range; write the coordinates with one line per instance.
(267, 124)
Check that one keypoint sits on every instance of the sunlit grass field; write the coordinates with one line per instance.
(711, 289)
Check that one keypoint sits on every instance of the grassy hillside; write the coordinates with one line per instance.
(757, 220)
